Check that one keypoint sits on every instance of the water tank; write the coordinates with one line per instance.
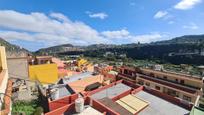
(79, 105)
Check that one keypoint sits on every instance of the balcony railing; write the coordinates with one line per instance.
(170, 84)
(171, 73)
(128, 77)
(197, 88)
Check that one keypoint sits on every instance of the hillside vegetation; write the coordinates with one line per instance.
(11, 47)
(180, 50)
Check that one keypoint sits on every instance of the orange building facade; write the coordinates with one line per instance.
(186, 88)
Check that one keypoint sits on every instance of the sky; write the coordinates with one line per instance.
(35, 24)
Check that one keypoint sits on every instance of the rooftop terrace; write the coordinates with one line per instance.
(123, 97)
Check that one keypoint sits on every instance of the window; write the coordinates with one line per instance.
(182, 81)
(157, 87)
(133, 74)
(41, 62)
(186, 98)
(121, 71)
(165, 77)
(125, 71)
(172, 93)
(147, 84)
(141, 82)
(151, 74)
(130, 73)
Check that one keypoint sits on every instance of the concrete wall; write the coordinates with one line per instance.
(62, 102)
(45, 73)
(88, 101)
(18, 67)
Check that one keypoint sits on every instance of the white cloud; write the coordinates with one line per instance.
(123, 34)
(186, 4)
(147, 38)
(100, 15)
(171, 22)
(38, 26)
(116, 34)
(192, 26)
(60, 17)
(12, 35)
(160, 14)
(56, 28)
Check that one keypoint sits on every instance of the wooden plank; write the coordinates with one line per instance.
(132, 103)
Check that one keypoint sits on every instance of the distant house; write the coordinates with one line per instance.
(40, 60)
(42, 68)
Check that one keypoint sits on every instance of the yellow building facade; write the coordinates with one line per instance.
(81, 62)
(3, 73)
(3, 63)
(44, 73)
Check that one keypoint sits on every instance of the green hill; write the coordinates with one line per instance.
(58, 49)
(11, 47)
(187, 39)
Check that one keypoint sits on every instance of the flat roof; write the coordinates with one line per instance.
(158, 106)
(111, 92)
(61, 91)
(80, 85)
(77, 77)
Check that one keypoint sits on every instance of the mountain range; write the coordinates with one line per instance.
(187, 39)
(13, 50)
(184, 49)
